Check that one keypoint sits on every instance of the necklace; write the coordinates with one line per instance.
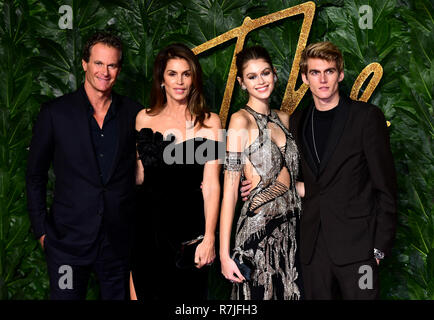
(313, 138)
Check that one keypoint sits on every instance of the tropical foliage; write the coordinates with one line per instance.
(39, 61)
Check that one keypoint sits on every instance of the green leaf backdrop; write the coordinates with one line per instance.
(40, 61)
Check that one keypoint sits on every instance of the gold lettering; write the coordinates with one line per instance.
(377, 70)
(292, 97)
(371, 68)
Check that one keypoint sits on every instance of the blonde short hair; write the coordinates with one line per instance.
(322, 50)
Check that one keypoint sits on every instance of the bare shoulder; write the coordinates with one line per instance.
(284, 117)
(143, 119)
(212, 129)
(213, 121)
(240, 120)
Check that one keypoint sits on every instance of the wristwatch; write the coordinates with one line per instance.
(378, 254)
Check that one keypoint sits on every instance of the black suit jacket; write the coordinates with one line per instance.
(82, 202)
(352, 194)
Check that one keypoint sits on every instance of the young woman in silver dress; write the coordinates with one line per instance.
(263, 265)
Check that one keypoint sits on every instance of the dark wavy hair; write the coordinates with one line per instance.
(251, 53)
(106, 38)
(196, 101)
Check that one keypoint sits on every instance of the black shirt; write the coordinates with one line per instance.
(322, 124)
(105, 139)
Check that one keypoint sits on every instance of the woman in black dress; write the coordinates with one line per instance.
(177, 143)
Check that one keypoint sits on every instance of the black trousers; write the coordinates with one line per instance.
(324, 280)
(70, 281)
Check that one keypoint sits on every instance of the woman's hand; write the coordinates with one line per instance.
(205, 253)
(133, 295)
(246, 185)
(41, 241)
(299, 186)
(230, 270)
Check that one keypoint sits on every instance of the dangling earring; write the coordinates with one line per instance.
(243, 87)
(162, 86)
(275, 78)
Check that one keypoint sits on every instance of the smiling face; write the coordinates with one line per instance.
(323, 79)
(102, 69)
(258, 78)
(177, 80)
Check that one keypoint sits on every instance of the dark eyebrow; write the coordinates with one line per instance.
(253, 73)
(170, 70)
(329, 69)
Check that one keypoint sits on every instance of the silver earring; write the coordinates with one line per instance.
(162, 86)
(243, 87)
(275, 78)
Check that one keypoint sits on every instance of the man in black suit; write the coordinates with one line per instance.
(349, 208)
(88, 136)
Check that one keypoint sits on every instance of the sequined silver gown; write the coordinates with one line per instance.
(267, 227)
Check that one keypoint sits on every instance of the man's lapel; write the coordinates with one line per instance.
(83, 133)
(337, 129)
(306, 150)
(123, 124)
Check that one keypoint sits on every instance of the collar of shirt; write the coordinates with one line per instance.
(90, 111)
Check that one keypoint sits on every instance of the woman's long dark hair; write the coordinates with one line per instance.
(196, 101)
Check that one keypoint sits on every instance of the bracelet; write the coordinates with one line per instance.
(233, 161)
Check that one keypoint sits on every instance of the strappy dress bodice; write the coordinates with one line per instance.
(269, 160)
(266, 230)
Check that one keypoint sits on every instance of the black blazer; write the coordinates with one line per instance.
(82, 202)
(352, 195)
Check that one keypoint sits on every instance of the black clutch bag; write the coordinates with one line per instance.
(245, 268)
(185, 255)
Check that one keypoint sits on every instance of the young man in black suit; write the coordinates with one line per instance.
(349, 207)
(88, 136)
